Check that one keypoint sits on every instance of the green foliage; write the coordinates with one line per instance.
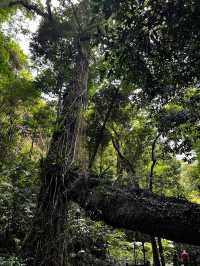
(87, 240)
(143, 83)
(11, 261)
(119, 248)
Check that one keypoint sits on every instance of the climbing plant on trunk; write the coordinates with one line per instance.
(45, 243)
(47, 239)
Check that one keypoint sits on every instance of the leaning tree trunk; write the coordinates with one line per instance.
(138, 210)
(46, 241)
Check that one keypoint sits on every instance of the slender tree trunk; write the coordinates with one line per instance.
(144, 252)
(160, 246)
(134, 252)
(153, 163)
(156, 260)
(119, 164)
(129, 168)
(46, 241)
(32, 142)
(99, 138)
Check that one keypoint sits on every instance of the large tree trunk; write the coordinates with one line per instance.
(139, 210)
(46, 241)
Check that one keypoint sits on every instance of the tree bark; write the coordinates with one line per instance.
(139, 210)
(160, 246)
(46, 241)
(144, 252)
(29, 6)
(153, 164)
(156, 260)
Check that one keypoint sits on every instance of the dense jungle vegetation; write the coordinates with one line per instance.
(99, 132)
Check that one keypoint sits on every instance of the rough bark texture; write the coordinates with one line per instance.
(46, 240)
(140, 210)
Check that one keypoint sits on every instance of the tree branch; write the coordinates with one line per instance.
(48, 4)
(154, 161)
(99, 137)
(75, 16)
(127, 162)
(28, 6)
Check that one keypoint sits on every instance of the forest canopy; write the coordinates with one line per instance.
(99, 132)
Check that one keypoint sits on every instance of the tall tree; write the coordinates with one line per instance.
(141, 42)
(46, 240)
